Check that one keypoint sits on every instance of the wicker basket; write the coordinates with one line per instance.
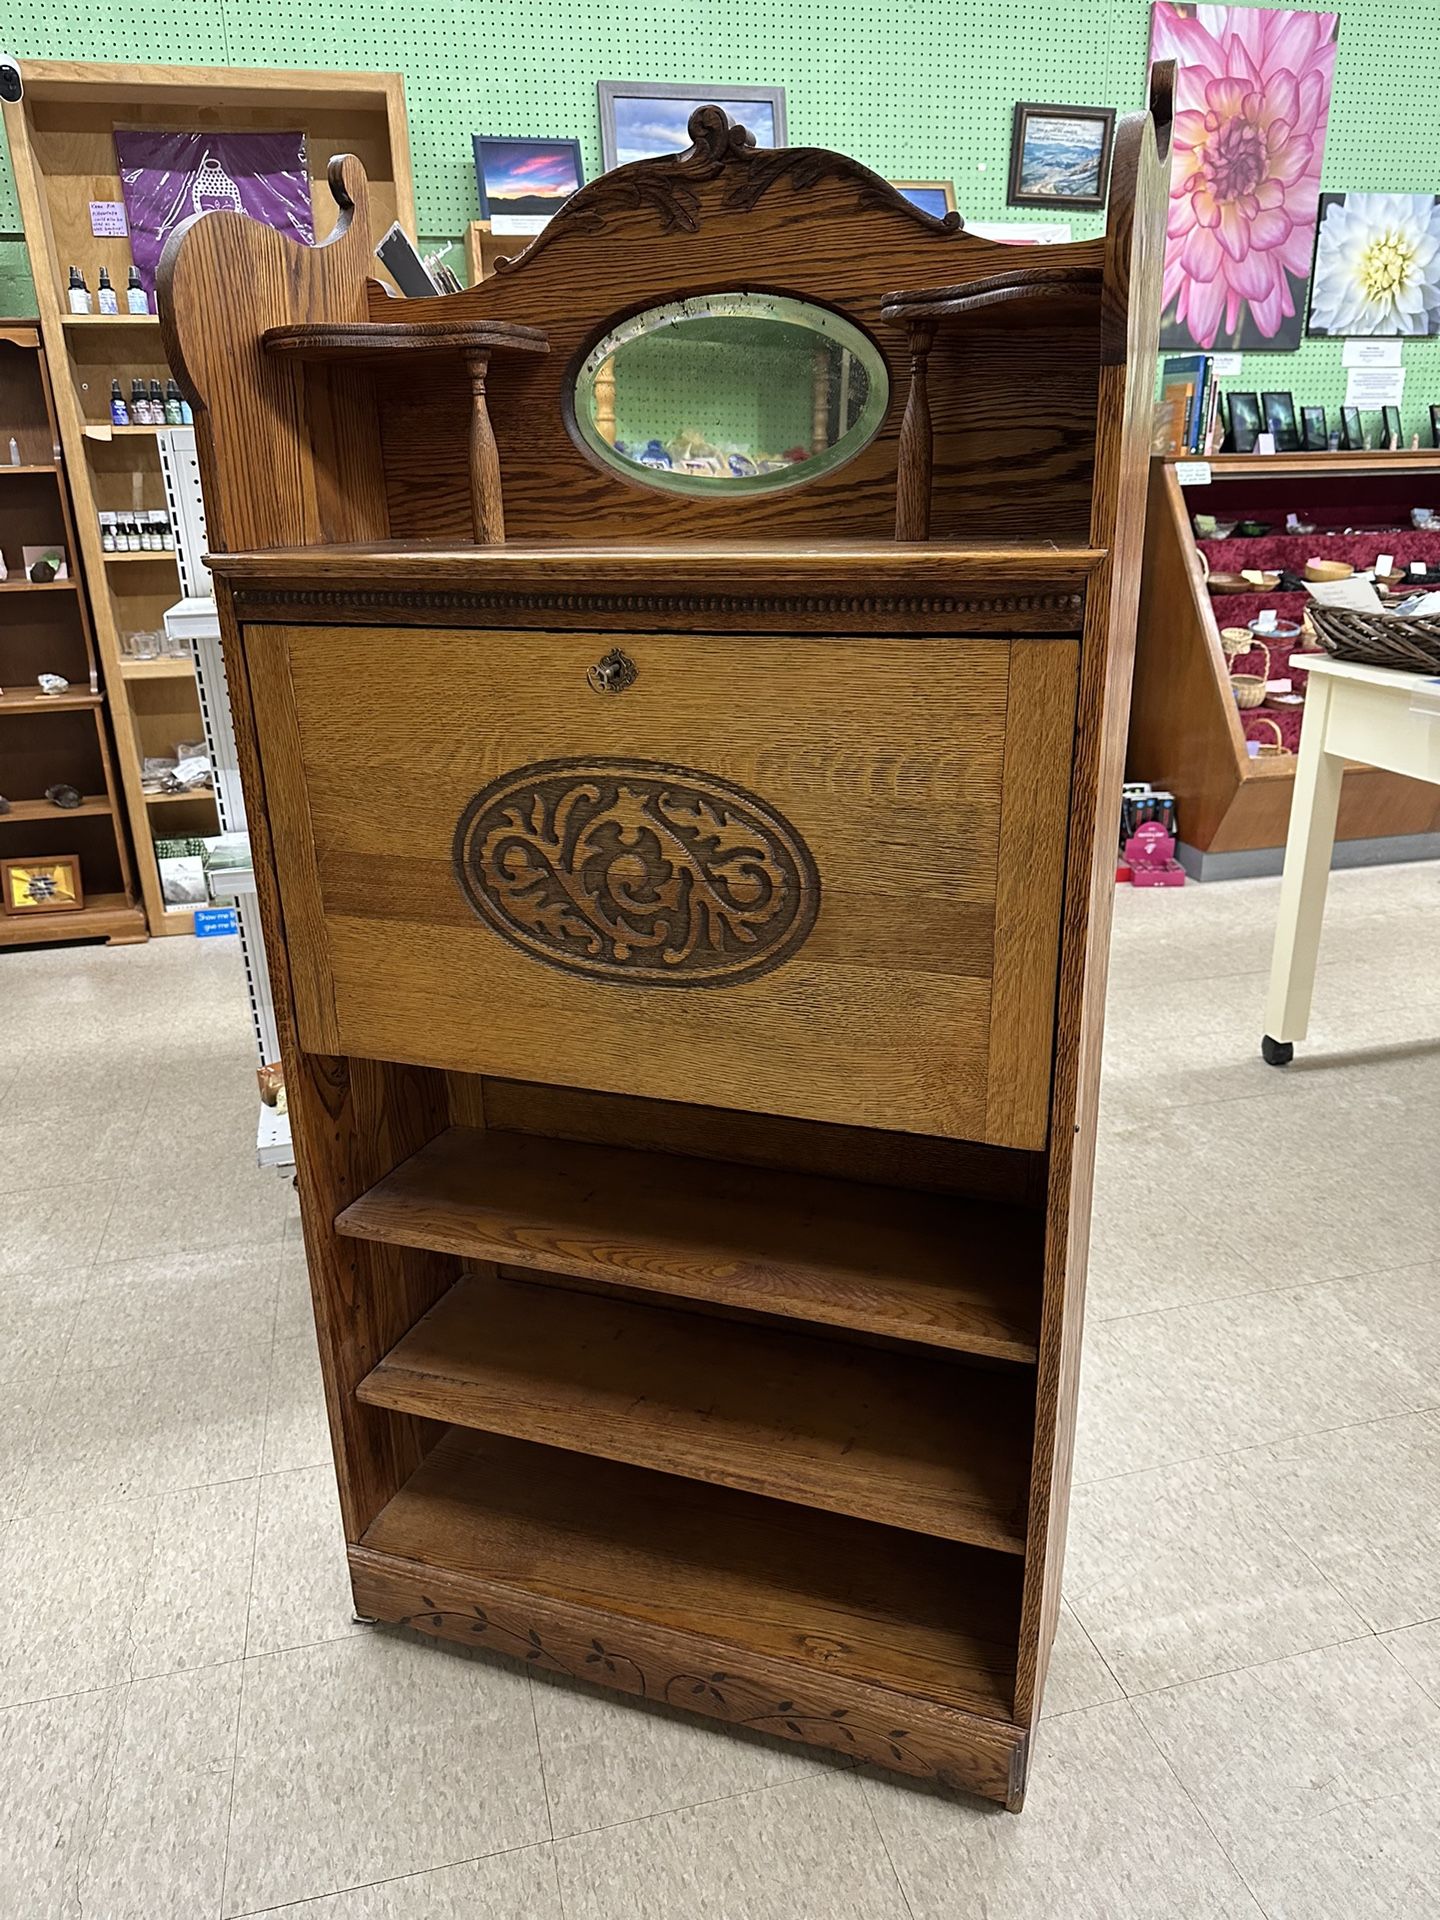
(1249, 689)
(1379, 639)
(1268, 747)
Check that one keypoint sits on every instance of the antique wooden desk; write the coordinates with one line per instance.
(688, 906)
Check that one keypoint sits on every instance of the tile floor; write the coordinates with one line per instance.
(1244, 1709)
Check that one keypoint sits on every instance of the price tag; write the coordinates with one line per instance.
(1227, 365)
(1193, 473)
(1417, 566)
(1384, 563)
(1265, 619)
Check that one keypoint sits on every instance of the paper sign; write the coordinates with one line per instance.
(1374, 386)
(1265, 619)
(1370, 353)
(513, 223)
(1032, 233)
(1358, 594)
(1226, 365)
(1192, 473)
(107, 219)
(1384, 563)
(1264, 443)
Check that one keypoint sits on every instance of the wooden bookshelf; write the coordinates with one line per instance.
(696, 1245)
(53, 739)
(62, 148)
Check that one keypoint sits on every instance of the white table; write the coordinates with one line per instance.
(1370, 714)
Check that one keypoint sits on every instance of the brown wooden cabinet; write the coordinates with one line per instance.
(687, 909)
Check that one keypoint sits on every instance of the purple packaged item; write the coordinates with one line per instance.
(167, 177)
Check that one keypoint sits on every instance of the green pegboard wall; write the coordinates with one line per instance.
(917, 89)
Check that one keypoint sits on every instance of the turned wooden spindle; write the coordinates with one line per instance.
(487, 506)
(917, 442)
(605, 400)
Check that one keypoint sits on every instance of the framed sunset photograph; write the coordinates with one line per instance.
(529, 178)
(1060, 156)
(935, 197)
(641, 119)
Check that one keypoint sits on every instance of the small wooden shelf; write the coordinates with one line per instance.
(173, 799)
(32, 467)
(115, 559)
(86, 320)
(93, 803)
(840, 1597)
(37, 586)
(381, 339)
(911, 1266)
(104, 916)
(169, 666)
(15, 702)
(103, 431)
(902, 1439)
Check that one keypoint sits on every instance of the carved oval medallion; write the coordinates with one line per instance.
(635, 870)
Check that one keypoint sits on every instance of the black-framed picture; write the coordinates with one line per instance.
(1280, 421)
(1350, 429)
(935, 197)
(521, 176)
(1435, 426)
(1243, 410)
(1390, 423)
(642, 118)
(1314, 429)
(1060, 156)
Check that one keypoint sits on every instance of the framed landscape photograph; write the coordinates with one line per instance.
(1352, 433)
(1377, 267)
(935, 197)
(1281, 422)
(1314, 430)
(42, 886)
(642, 118)
(525, 177)
(1244, 416)
(1060, 156)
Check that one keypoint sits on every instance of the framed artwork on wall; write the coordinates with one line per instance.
(529, 178)
(935, 197)
(1060, 156)
(1435, 426)
(1244, 172)
(42, 886)
(1377, 266)
(642, 118)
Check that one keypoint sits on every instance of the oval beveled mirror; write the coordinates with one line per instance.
(730, 393)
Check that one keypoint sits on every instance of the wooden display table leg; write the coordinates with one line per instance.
(1309, 846)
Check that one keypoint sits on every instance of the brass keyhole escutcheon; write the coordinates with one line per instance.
(614, 673)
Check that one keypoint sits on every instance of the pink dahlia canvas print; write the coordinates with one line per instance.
(1252, 100)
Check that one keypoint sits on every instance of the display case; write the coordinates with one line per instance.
(1187, 734)
(52, 741)
(687, 907)
(62, 144)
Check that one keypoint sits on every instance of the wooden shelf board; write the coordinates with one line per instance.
(32, 467)
(379, 340)
(104, 916)
(164, 667)
(37, 586)
(904, 1439)
(37, 702)
(1245, 466)
(85, 320)
(836, 1597)
(176, 799)
(113, 559)
(103, 431)
(912, 1266)
(93, 803)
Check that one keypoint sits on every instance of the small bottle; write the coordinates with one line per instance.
(187, 412)
(139, 405)
(167, 534)
(105, 298)
(14, 451)
(132, 535)
(119, 412)
(79, 293)
(135, 296)
(157, 404)
(172, 404)
(150, 535)
(107, 533)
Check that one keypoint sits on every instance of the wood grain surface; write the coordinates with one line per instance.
(943, 1273)
(905, 1439)
(841, 1597)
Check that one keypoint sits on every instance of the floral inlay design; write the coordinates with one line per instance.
(638, 871)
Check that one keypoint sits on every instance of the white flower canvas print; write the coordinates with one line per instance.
(1377, 265)
(1252, 101)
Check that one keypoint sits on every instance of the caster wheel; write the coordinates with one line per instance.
(1278, 1053)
